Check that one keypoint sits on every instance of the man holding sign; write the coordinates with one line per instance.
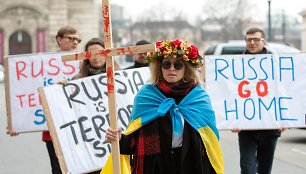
(67, 39)
(256, 146)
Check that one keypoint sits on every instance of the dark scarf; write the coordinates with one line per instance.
(150, 133)
(263, 51)
(139, 65)
(94, 71)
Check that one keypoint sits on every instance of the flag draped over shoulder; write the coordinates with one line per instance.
(195, 108)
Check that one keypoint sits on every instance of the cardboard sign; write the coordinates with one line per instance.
(25, 74)
(78, 116)
(257, 91)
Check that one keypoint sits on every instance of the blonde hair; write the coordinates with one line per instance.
(189, 74)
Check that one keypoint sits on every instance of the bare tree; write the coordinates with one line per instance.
(227, 19)
(161, 13)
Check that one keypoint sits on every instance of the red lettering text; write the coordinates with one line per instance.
(19, 70)
(245, 93)
(265, 88)
(57, 69)
(40, 72)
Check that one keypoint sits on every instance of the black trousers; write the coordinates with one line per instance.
(53, 159)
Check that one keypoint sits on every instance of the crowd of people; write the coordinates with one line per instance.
(172, 127)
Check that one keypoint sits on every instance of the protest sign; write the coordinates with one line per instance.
(25, 73)
(78, 116)
(257, 91)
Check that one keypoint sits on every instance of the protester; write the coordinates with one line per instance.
(256, 147)
(172, 127)
(67, 39)
(93, 66)
(139, 59)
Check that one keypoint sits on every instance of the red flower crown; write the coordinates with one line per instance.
(178, 50)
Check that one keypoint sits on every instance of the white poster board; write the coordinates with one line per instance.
(77, 116)
(257, 91)
(25, 74)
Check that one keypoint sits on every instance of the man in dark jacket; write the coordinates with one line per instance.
(139, 59)
(256, 147)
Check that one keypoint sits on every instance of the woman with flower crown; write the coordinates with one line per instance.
(172, 127)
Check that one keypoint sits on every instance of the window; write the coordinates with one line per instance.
(210, 50)
(20, 43)
(233, 50)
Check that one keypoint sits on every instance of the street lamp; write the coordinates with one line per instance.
(269, 20)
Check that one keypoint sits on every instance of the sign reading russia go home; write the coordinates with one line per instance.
(257, 91)
(25, 74)
(77, 116)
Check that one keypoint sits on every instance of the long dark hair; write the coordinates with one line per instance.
(94, 41)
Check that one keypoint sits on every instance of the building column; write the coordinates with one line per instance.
(303, 31)
(58, 17)
(41, 40)
(1, 46)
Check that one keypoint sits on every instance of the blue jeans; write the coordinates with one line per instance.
(257, 150)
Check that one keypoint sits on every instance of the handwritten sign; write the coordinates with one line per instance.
(257, 91)
(25, 74)
(79, 116)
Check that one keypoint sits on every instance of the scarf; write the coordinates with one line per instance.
(94, 71)
(152, 134)
(174, 91)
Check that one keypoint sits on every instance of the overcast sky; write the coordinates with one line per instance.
(191, 8)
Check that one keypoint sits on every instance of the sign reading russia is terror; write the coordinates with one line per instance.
(257, 91)
(25, 74)
(78, 116)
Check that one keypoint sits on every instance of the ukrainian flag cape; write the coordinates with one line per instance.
(195, 108)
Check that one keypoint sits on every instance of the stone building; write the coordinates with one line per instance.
(29, 26)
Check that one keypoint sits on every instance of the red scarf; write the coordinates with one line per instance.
(173, 91)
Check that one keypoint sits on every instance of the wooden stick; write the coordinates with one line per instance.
(51, 126)
(110, 52)
(7, 94)
(110, 84)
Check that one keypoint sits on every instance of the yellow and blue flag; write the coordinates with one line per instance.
(195, 108)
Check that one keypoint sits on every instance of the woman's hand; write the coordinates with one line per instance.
(236, 130)
(11, 132)
(63, 82)
(282, 129)
(111, 135)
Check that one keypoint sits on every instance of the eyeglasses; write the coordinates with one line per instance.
(255, 39)
(72, 39)
(177, 64)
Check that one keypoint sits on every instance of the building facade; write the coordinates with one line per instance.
(30, 26)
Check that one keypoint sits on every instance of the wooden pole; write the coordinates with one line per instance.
(110, 84)
(7, 95)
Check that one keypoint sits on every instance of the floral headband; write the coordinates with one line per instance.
(178, 50)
